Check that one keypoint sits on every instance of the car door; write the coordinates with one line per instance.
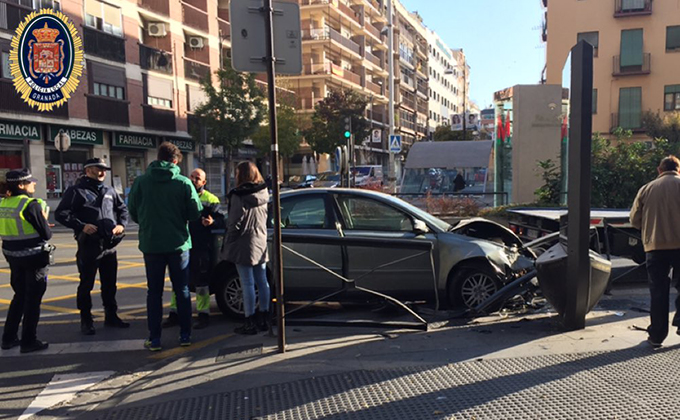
(364, 216)
(307, 214)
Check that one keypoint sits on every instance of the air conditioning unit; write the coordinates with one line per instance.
(196, 42)
(157, 29)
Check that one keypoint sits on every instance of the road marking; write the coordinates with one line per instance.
(195, 346)
(63, 388)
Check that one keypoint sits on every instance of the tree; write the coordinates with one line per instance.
(666, 127)
(233, 111)
(444, 133)
(327, 124)
(549, 194)
(289, 135)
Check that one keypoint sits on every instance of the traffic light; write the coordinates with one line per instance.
(348, 127)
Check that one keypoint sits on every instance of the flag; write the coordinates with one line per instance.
(507, 125)
(500, 134)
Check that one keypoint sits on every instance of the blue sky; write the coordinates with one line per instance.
(500, 38)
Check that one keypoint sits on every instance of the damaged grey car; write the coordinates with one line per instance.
(468, 262)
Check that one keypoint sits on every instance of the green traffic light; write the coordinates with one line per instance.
(347, 134)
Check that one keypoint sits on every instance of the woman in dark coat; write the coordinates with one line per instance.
(245, 244)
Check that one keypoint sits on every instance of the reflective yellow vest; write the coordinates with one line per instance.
(13, 225)
(207, 197)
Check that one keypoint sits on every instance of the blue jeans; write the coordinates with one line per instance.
(178, 266)
(249, 275)
(659, 264)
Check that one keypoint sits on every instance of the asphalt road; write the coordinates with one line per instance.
(24, 377)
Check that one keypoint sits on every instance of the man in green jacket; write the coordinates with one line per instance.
(163, 202)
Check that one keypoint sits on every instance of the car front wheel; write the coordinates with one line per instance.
(229, 296)
(472, 285)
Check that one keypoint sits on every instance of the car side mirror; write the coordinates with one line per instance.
(419, 227)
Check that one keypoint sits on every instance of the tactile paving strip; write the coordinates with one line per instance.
(635, 383)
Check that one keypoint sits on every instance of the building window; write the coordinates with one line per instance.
(115, 92)
(630, 107)
(671, 98)
(46, 4)
(593, 38)
(631, 48)
(673, 38)
(594, 101)
(4, 65)
(165, 103)
(103, 16)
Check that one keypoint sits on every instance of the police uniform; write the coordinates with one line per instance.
(94, 202)
(24, 231)
(200, 259)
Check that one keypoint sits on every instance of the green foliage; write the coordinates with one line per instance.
(444, 133)
(327, 124)
(289, 135)
(549, 194)
(666, 127)
(233, 111)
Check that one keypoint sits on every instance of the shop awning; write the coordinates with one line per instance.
(449, 154)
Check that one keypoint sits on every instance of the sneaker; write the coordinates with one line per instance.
(6, 345)
(171, 321)
(37, 345)
(152, 345)
(202, 321)
(185, 340)
(654, 344)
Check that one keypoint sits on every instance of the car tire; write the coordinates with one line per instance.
(229, 295)
(470, 285)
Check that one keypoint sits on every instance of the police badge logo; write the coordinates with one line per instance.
(46, 59)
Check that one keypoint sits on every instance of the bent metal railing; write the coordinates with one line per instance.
(420, 247)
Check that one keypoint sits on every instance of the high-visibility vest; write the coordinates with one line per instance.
(207, 197)
(13, 225)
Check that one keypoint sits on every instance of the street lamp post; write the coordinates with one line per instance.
(390, 64)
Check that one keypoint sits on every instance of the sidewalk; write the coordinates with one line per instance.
(521, 367)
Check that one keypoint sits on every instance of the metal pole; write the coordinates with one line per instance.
(390, 64)
(61, 161)
(464, 96)
(273, 131)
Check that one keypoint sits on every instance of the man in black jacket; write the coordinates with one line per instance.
(98, 217)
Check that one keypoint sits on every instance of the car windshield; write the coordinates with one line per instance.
(362, 171)
(328, 177)
(421, 214)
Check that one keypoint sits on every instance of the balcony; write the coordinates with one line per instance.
(347, 43)
(195, 71)
(408, 102)
(375, 88)
(158, 119)
(11, 15)
(156, 60)
(162, 7)
(376, 116)
(194, 17)
(422, 88)
(101, 109)
(372, 58)
(620, 70)
(225, 29)
(104, 45)
(627, 121)
(372, 30)
(422, 108)
(10, 101)
(623, 8)
(316, 34)
(410, 125)
(348, 11)
(421, 129)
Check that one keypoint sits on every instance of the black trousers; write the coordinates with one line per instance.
(659, 264)
(28, 279)
(200, 265)
(88, 265)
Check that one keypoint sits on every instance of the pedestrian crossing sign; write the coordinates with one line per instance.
(395, 144)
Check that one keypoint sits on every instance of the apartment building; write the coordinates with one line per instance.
(411, 77)
(461, 88)
(343, 48)
(443, 83)
(140, 84)
(636, 56)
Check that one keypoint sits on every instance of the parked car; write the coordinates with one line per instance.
(327, 180)
(472, 259)
(300, 181)
(368, 175)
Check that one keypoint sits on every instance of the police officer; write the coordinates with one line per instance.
(24, 230)
(200, 256)
(98, 217)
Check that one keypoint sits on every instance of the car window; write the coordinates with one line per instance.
(307, 212)
(362, 213)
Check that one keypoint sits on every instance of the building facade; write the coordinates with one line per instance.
(636, 56)
(443, 83)
(140, 84)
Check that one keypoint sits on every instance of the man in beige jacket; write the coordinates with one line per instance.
(656, 212)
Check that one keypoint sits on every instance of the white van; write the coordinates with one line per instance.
(368, 175)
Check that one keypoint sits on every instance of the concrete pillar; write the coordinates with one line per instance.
(36, 150)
